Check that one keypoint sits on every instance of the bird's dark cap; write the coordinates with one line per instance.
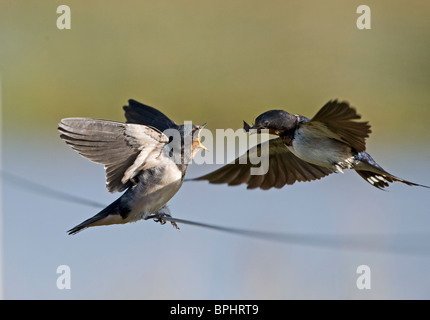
(273, 120)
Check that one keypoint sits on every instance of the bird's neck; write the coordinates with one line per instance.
(183, 168)
(287, 136)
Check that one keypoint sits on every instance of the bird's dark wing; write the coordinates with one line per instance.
(284, 168)
(140, 113)
(123, 149)
(338, 118)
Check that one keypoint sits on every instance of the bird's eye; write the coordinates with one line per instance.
(266, 122)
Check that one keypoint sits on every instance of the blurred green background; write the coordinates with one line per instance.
(218, 62)
(215, 61)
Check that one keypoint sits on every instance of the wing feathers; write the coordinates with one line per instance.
(121, 148)
(338, 118)
(284, 168)
(140, 113)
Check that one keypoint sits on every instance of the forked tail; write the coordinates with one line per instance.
(374, 174)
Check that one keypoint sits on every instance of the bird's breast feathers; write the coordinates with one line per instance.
(317, 145)
(155, 188)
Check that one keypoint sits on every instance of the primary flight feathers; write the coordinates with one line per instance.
(123, 149)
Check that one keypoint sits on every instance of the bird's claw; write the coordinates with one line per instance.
(160, 218)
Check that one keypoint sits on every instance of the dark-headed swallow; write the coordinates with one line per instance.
(141, 157)
(307, 149)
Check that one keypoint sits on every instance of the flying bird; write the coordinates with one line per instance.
(146, 157)
(307, 150)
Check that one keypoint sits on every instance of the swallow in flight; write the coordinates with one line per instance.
(307, 149)
(146, 157)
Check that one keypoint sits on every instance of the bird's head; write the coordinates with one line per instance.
(196, 144)
(276, 121)
(184, 142)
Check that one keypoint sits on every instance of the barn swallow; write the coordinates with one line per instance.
(307, 149)
(143, 157)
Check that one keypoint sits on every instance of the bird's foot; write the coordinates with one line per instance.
(161, 218)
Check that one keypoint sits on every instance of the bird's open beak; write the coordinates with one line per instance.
(203, 147)
(198, 140)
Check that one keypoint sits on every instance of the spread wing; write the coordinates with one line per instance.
(338, 118)
(140, 113)
(123, 149)
(284, 168)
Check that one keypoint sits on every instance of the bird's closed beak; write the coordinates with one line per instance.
(248, 128)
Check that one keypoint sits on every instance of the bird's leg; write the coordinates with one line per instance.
(160, 216)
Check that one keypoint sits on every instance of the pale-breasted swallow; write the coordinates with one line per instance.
(143, 157)
(307, 149)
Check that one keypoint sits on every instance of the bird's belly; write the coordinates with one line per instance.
(156, 198)
(149, 197)
(324, 152)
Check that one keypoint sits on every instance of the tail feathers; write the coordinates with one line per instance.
(87, 223)
(383, 180)
(112, 214)
(374, 174)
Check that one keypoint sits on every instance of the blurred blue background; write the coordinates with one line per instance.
(217, 62)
